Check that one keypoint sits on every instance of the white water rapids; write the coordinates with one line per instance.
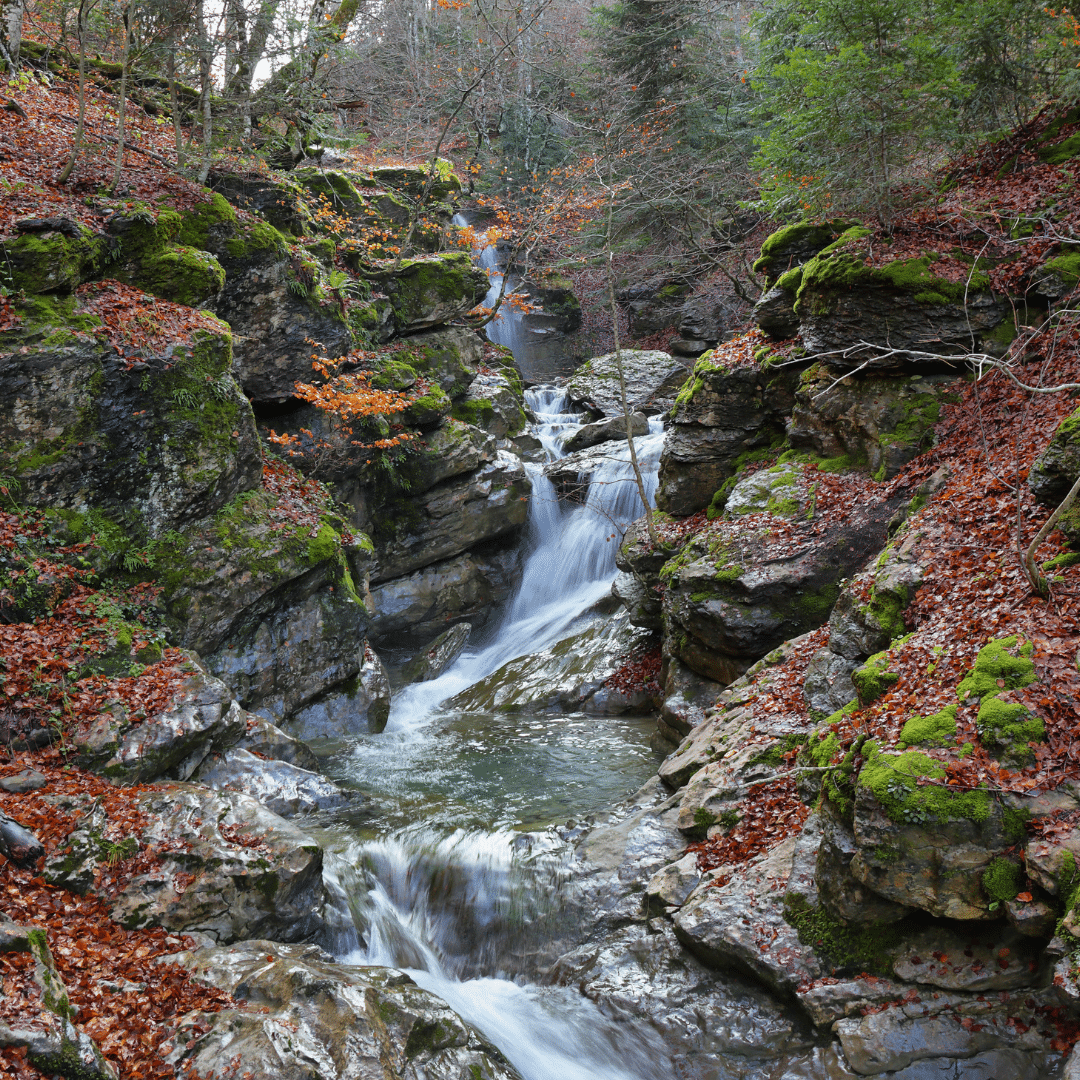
(452, 909)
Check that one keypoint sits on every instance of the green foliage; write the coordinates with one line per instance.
(1001, 880)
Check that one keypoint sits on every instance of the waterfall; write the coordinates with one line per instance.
(570, 561)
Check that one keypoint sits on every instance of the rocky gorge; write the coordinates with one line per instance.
(349, 714)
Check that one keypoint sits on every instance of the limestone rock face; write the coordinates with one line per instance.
(649, 375)
(468, 586)
(655, 302)
(309, 1018)
(720, 414)
(775, 313)
(356, 707)
(211, 877)
(155, 450)
(569, 676)
(492, 406)
(453, 516)
(273, 325)
(885, 421)
(448, 356)
(705, 317)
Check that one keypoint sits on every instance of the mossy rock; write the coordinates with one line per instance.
(208, 225)
(874, 679)
(52, 260)
(795, 244)
(182, 274)
(430, 291)
(429, 409)
(411, 179)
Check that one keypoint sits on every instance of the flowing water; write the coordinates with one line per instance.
(441, 876)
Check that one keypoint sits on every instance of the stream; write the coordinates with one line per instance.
(459, 869)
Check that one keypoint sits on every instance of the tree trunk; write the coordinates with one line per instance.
(77, 145)
(122, 119)
(205, 86)
(11, 17)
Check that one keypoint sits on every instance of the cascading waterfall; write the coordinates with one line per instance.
(459, 909)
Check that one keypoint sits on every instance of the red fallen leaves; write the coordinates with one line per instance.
(770, 814)
(132, 1020)
(138, 324)
(300, 500)
(639, 672)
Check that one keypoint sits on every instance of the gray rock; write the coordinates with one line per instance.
(452, 517)
(828, 686)
(437, 656)
(20, 783)
(448, 356)
(430, 291)
(687, 697)
(981, 959)
(741, 925)
(1057, 467)
(228, 867)
(595, 384)
(829, 1001)
(309, 1018)
(606, 430)
(643, 607)
(283, 788)
(793, 245)
(705, 317)
(72, 867)
(775, 313)
(267, 740)
(572, 474)
(18, 843)
(727, 413)
(569, 676)
(672, 886)
(202, 718)
(361, 707)
(468, 586)
(778, 490)
(655, 302)
(689, 347)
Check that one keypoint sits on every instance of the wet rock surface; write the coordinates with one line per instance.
(650, 376)
(308, 1017)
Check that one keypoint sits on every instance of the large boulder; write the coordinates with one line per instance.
(605, 431)
(652, 380)
(793, 245)
(721, 414)
(492, 405)
(451, 517)
(302, 1016)
(426, 292)
(359, 706)
(1055, 471)
(226, 866)
(654, 303)
(884, 421)
(154, 447)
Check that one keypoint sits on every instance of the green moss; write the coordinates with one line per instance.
(476, 411)
(703, 818)
(801, 235)
(1067, 267)
(46, 262)
(873, 679)
(852, 949)
(254, 240)
(1062, 562)
(936, 730)
(995, 662)
(1007, 728)
(894, 781)
(1060, 152)
(182, 274)
(791, 280)
(394, 375)
(196, 224)
(1001, 880)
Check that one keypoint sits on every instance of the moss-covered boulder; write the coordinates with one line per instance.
(779, 490)
(52, 255)
(152, 446)
(882, 421)
(428, 291)
(411, 179)
(796, 244)
(341, 202)
(181, 274)
(273, 196)
(1057, 277)
(448, 356)
(491, 405)
(844, 300)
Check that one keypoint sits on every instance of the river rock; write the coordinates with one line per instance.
(777, 490)
(715, 1021)
(571, 475)
(451, 517)
(569, 677)
(720, 414)
(306, 1017)
(687, 697)
(20, 783)
(648, 374)
(438, 656)
(226, 867)
(741, 925)
(883, 420)
(283, 788)
(467, 587)
(828, 686)
(359, 707)
(492, 406)
(267, 740)
(202, 717)
(604, 430)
